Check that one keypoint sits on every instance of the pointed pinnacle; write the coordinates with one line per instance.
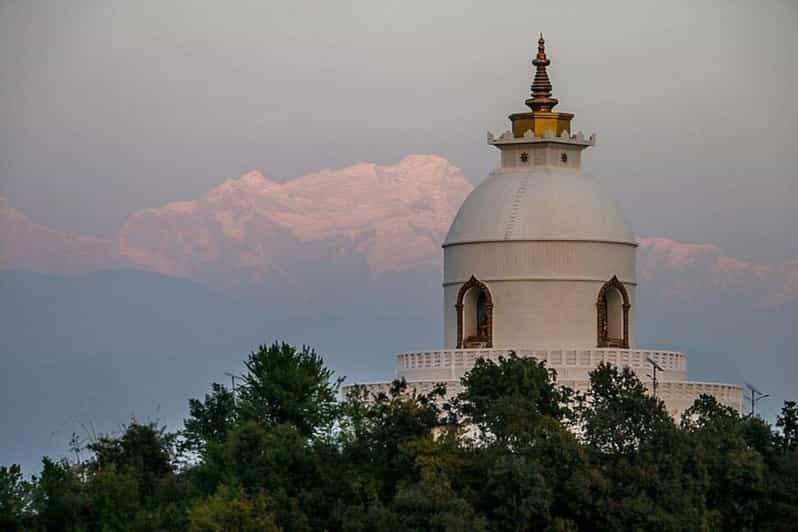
(541, 86)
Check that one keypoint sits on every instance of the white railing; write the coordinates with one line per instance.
(452, 364)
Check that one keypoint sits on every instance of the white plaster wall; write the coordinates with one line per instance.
(550, 155)
(544, 292)
(549, 259)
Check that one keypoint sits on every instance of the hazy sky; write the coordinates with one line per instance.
(108, 107)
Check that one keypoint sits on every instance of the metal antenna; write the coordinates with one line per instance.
(233, 378)
(755, 397)
(655, 367)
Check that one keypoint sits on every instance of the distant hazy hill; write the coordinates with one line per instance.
(26, 245)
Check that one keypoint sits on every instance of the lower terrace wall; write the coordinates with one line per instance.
(425, 369)
(677, 396)
(570, 364)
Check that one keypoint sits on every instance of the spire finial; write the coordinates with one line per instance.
(541, 99)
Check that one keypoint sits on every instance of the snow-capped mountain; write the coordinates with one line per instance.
(342, 228)
(392, 217)
(678, 271)
(26, 245)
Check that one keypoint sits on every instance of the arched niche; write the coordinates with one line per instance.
(613, 315)
(474, 315)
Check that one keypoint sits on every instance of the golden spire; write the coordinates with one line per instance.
(542, 121)
(541, 99)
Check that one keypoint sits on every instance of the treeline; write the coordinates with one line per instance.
(512, 452)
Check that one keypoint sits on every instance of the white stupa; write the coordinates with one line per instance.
(541, 262)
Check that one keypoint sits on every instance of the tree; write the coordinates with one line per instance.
(287, 457)
(530, 470)
(210, 420)
(286, 385)
(378, 432)
(15, 499)
(788, 423)
(782, 480)
(114, 500)
(732, 451)
(650, 476)
(232, 509)
(619, 414)
(272, 459)
(707, 415)
(507, 399)
(517, 493)
(59, 499)
(131, 480)
(431, 504)
(145, 449)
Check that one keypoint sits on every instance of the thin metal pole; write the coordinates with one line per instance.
(655, 367)
(655, 382)
(233, 382)
(754, 398)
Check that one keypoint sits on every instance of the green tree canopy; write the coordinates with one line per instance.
(210, 420)
(514, 451)
(508, 398)
(788, 423)
(620, 414)
(15, 499)
(286, 385)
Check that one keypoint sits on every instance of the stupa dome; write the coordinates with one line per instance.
(539, 203)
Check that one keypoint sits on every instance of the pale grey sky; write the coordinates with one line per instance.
(107, 107)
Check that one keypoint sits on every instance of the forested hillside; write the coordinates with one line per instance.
(513, 452)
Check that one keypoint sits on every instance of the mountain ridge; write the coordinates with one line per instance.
(362, 220)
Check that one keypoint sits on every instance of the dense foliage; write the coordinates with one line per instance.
(512, 452)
